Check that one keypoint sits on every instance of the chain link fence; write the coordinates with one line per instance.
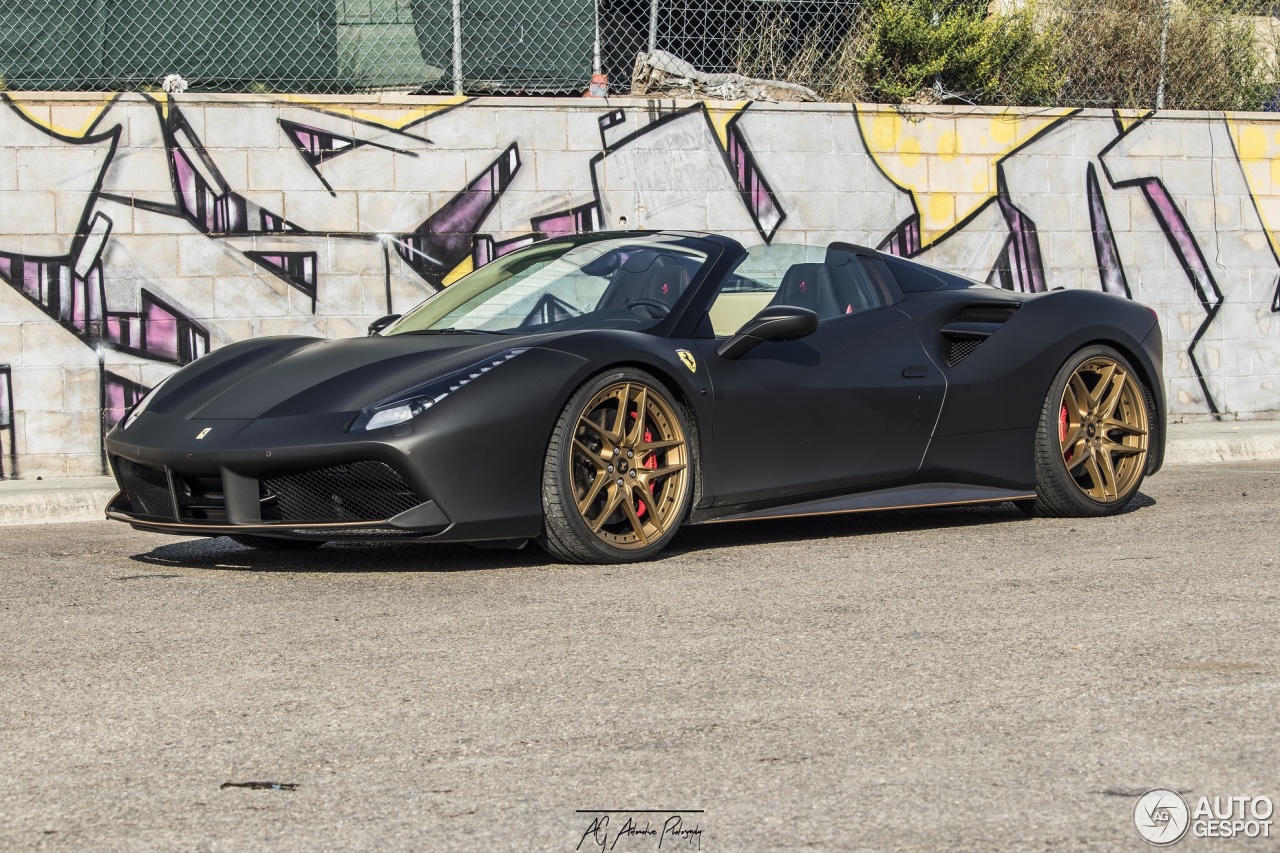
(1171, 54)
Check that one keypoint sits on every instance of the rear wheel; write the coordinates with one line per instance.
(1094, 435)
(271, 543)
(618, 477)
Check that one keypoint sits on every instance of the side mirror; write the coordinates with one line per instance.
(775, 323)
(381, 323)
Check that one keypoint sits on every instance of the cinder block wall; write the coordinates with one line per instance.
(139, 231)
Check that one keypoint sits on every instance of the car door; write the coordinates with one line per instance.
(852, 405)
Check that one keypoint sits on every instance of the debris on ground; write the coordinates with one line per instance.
(262, 786)
(661, 73)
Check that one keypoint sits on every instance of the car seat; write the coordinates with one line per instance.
(646, 274)
(809, 286)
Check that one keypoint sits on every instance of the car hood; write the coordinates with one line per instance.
(290, 376)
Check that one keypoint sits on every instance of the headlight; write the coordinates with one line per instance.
(141, 406)
(405, 405)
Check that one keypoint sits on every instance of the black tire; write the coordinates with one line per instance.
(567, 534)
(1070, 488)
(272, 543)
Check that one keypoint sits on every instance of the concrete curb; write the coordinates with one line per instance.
(1237, 441)
(63, 500)
(83, 498)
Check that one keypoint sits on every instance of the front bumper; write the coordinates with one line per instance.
(468, 470)
(359, 499)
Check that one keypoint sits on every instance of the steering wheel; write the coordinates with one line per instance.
(658, 305)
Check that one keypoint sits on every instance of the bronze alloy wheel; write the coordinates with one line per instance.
(630, 465)
(620, 471)
(1097, 426)
(1102, 429)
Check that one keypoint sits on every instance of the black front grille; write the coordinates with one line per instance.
(960, 350)
(359, 491)
(200, 498)
(146, 488)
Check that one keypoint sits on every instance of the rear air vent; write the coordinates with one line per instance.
(973, 325)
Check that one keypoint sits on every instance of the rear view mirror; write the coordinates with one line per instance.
(775, 323)
(381, 323)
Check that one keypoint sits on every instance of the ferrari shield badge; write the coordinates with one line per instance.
(687, 358)
(204, 432)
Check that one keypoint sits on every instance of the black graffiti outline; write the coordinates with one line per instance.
(751, 166)
(1211, 307)
(1110, 265)
(1235, 152)
(95, 334)
(410, 246)
(292, 129)
(286, 272)
(963, 223)
(9, 423)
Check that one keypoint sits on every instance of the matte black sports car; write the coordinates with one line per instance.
(594, 393)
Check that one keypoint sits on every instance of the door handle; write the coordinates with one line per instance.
(915, 371)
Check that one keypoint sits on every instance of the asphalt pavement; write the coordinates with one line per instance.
(959, 679)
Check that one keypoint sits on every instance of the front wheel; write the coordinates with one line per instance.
(1094, 435)
(618, 476)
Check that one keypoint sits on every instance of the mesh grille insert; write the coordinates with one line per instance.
(146, 488)
(960, 350)
(359, 491)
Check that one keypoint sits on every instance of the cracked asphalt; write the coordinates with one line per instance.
(961, 679)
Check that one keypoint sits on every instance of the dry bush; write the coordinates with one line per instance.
(1110, 53)
(1093, 53)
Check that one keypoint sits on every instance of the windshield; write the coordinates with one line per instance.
(630, 281)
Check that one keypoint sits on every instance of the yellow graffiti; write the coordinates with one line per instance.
(392, 118)
(71, 120)
(1129, 119)
(1258, 148)
(464, 268)
(948, 164)
(720, 116)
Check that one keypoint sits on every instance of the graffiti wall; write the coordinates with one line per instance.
(140, 231)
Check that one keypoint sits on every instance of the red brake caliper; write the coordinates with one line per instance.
(651, 462)
(1062, 428)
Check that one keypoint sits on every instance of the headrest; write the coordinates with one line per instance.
(640, 261)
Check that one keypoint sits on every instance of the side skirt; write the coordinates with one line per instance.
(899, 497)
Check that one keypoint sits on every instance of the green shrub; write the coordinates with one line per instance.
(958, 50)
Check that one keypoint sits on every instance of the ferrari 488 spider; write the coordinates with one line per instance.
(595, 393)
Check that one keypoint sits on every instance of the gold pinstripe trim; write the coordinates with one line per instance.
(870, 509)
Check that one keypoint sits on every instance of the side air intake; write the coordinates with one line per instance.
(971, 327)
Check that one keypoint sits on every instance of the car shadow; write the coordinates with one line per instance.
(222, 554)
(815, 527)
(369, 557)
